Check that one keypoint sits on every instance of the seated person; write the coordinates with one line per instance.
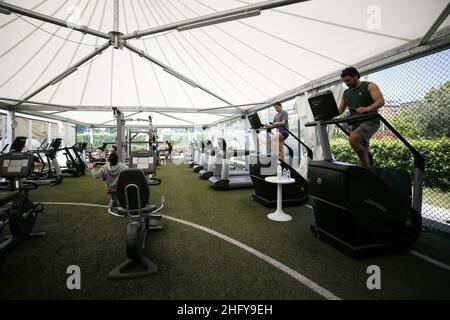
(110, 173)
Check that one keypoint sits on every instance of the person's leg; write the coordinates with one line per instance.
(358, 145)
(281, 146)
(359, 140)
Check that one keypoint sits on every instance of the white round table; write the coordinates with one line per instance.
(279, 215)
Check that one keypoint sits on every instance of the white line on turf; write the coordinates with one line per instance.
(419, 255)
(431, 260)
(310, 284)
(296, 275)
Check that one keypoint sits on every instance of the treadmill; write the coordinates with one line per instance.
(224, 178)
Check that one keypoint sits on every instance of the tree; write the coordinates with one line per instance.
(428, 118)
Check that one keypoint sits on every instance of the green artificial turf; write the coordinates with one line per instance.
(194, 264)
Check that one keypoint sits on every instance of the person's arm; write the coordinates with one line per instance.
(342, 106)
(377, 97)
(282, 122)
(98, 174)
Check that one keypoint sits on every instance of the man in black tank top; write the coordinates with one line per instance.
(361, 97)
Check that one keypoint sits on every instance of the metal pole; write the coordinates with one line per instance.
(444, 14)
(116, 16)
(211, 17)
(10, 130)
(30, 134)
(68, 71)
(175, 73)
(120, 126)
(49, 19)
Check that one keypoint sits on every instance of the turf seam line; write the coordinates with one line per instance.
(296, 275)
(431, 260)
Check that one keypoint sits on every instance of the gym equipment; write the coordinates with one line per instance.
(18, 144)
(147, 162)
(203, 157)
(196, 154)
(75, 166)
(224, 178)
(360, 211)
(21, 216)
(133, 194)
(53, 175)
(210, 160)
(264, 165)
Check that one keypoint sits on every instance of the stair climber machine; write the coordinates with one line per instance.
(224, 178)
(265, 165)
(360, 211)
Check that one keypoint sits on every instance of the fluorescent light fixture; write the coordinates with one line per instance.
(220, 20)
(180, 76)
(5, 11)
(64, 75)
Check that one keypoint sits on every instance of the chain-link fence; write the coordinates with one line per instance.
(417, 104)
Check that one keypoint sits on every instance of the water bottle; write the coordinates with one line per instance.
(279, 172)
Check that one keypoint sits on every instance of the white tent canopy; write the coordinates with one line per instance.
(172, 74)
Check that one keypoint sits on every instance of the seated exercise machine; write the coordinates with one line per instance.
(22, 214)
(360, 211)
(146, 162)
(264, 165)
(133, 194)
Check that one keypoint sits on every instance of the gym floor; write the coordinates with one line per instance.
(214, 245)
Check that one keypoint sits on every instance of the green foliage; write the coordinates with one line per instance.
(429, 118)
(405, 123)
(392, 153)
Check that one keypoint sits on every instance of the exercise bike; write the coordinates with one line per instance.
(21, 216)
(132, 196)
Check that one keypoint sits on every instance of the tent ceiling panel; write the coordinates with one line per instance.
(239, 62)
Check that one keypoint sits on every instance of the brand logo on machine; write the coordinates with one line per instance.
(372, 203)
(319, 180)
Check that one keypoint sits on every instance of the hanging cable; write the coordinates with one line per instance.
(212, 67)
(77, 48)
(131, 59)
(28, 61)
(90, 62)
(225, 65)
(217, 71)
(165, 57)
(187, 66)
(176, 52)
(254, 49)
(151, 64)
(28, 35)
(212, 80)
(54, 34)
(51, 61)
(334, 24)
(15, 19)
